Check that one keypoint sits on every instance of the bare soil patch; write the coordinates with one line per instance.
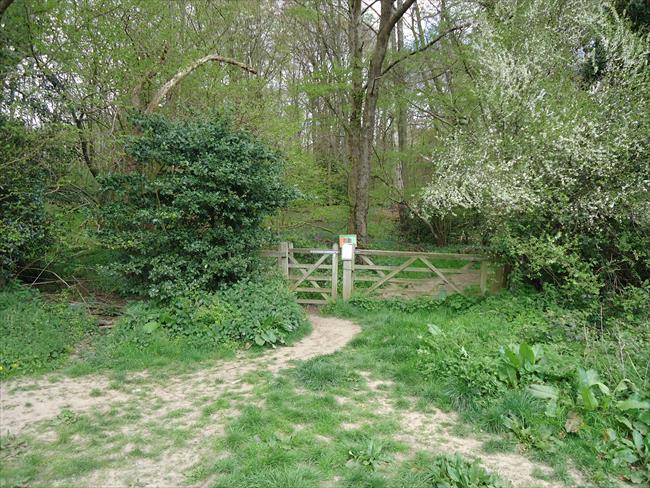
(23, 403)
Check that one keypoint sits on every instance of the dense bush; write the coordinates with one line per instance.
(251, 312)
(37, 336)
(536, 376)
(24, 227)
(561, 175)
(189, 216)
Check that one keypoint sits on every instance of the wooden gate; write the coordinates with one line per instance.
(405, 273)
(312, 273)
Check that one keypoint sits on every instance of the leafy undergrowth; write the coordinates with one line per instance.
(39, 337)
(518, 365)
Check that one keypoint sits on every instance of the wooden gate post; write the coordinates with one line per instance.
(348, 271)
(484, 273)
(283, 259)
(335, 272)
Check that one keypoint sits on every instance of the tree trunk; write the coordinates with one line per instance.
(402, 131)
(356, 107)
(4, 5)
(387, 21)
(174, 80)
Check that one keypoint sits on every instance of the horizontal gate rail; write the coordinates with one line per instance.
(434, 255)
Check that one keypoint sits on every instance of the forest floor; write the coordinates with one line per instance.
(287, 418)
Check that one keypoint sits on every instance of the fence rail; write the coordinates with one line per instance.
(313, 273)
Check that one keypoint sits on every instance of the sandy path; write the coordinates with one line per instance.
(23, 403)
(433, 431)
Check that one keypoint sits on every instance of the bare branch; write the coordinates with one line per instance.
(174, 80)
(433, 41)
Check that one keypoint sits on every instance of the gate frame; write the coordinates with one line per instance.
(287, 261)
(286, 255)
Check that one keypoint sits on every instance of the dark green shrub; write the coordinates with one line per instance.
(37, 336)
(189, 217)
(24, 227)
(266, 311)
(419, 304)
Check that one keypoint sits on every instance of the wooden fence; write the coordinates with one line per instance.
(314, 273)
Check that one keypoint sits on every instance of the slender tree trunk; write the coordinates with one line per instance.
(356, 107)
(182, 73)
(387, 21)
(402, 130)
(4, 5)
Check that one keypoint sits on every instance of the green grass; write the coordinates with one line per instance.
(320, 422)
(457, 369)
(37, 336)
(40, 337)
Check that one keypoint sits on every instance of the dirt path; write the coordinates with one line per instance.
(433, 431)
(26, 406)
(23, 403)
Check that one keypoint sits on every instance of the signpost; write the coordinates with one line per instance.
(347, 244)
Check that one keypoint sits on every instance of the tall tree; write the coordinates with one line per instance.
(368, 93)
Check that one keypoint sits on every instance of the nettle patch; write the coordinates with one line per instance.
(261, 312)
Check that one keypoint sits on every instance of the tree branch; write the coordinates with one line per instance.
(398, 14)
(4, 5)
(174, 80)
(137, 90)
(433, 41)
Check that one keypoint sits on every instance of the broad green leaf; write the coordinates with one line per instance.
(632, 404)
(434, 329)
(588, 398)
(545, 392)
(526, 353)
(637, 438)
(513, 358)
(150, 327)
(551, 409)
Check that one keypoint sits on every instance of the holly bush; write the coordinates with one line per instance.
(189, 216)
(24, 226)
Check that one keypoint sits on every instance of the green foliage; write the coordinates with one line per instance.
(456, 472)
(370, 457)
(520, 361)
(24, 226)
(321, 373)
(560, 177)
(261, 312)
(37, 336)
(266, 311)
(190, 216)
(455, 302)
(626, 411)
(456, 359)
